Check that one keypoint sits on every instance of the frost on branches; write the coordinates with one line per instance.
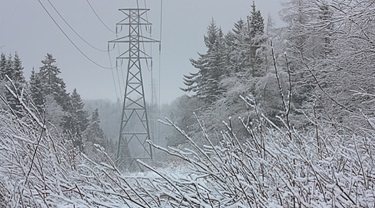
(272, 168)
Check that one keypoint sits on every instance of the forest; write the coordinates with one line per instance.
(272, 117)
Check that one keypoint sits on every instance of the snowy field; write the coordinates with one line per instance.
(267, 170)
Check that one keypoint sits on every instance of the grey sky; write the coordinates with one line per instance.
(27, 29)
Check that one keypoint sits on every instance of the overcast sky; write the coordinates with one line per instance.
(28, 30)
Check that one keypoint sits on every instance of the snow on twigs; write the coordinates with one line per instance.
(40, 169)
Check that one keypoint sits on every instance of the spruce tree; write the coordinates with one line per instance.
(94, 136)
(52, 83)
(256, 32)
(238, 43)
(17, 68)
(14, 71)
(77, 109)
(36, 91)
(8, 70)
(76, 120)
(256, 22)
(94, 132)
(3, 63)
(211, 66)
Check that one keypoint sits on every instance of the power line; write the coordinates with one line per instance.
(161, 21)
(113, 76)
(118, 78)
(70, 40)
(96, 14)
(143, 44)
(66, 22)
(160, 39)
(121, 68)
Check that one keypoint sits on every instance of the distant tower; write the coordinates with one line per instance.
(134, 129)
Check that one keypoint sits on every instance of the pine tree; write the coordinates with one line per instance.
(256, 32)
(77, 109)
(14, 71)
(256, 22)
(76, 120)
(94, 132)
(52, 83)
(237, 44)
(36, 91)
(8, 70)
(191, 81)
(94, 136)
(17, 68)
(3, 63)
(239, 27)
(211, 67)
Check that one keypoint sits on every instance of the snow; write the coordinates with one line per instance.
(372, 122)
(270, 166)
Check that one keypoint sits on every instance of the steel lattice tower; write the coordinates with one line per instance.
(134, 128)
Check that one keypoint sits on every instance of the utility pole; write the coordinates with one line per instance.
(134, 128)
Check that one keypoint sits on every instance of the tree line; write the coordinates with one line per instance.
(45, 93)
(289, 125)
(319, 66)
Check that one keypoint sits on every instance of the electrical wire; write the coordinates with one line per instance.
(160, 62)
(160, 48)
(66, 22)
(96, 14)
(113, 76)
(121, 68)
(70, 40)
(143, 44)
(119, 82)
(161, 21)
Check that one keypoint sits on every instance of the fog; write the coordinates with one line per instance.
(28, 30)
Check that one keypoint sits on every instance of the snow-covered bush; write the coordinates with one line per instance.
(280, 168)
(273, 167)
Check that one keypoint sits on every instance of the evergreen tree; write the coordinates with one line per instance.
(8, 70)
(77, 109)
(211, 66)
(3, 63)
(94, 136)
(94, 132)
(239, 27)
(36, 91)
(243, 44)
(76, 120)
(237, 44)
(256, 38)
(256, 22)
(14, 71)
(52, 83)
(17, 69)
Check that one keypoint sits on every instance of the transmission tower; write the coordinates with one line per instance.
(134, 128)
